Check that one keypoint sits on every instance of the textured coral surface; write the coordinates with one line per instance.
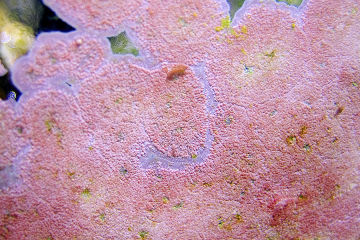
(218, 130)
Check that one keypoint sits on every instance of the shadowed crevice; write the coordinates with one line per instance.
(51, 22)
(8, 89)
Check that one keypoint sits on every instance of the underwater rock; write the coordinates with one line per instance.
(255, 134)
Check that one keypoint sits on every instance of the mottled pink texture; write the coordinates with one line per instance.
(258, 139)
(96, 16)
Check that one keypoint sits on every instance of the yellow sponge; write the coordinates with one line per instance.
(15, 37)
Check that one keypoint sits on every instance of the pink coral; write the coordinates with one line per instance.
(258, 137)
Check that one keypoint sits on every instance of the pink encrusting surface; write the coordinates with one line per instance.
(255, 134)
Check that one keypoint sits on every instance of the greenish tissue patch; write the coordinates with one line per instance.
(291, 2)
(143, 234)
(234, 6)
(121, 44)
(86, 193)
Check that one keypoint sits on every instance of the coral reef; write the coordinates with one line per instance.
(219, 128)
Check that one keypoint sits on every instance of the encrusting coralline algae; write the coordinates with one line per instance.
(254, 136)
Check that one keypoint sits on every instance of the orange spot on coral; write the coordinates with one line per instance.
(339, 111)
(177, 71)
(303, 131)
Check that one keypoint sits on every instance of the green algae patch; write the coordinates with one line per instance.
(165, 200)
(234, 6)
(52, 128)
(291, 140)
(123, 171)
(221, 222)
(291, 2)
(307, 148)
(302, 197)
(143, 234)
(179, 205)
(19, 129)
(229, 222)
(121, 44)
(49, 125)
(102, 217)
(119, 100)
(271, 54)
(86, 193)
(249, 70)
(225, 24)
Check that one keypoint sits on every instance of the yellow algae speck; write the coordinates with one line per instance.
(291, 140)
(234, 33)
(102, 217)
(119, 100)
(165, 200)
(218, 29)
(271, 55)
(303, 131)
(182, 22)
(307, 148)
(229, 41)
(225, 23)
(179, 205)
(244, 29)
(238, 218)
(86, 193)
(49, 125)
(354, 10)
